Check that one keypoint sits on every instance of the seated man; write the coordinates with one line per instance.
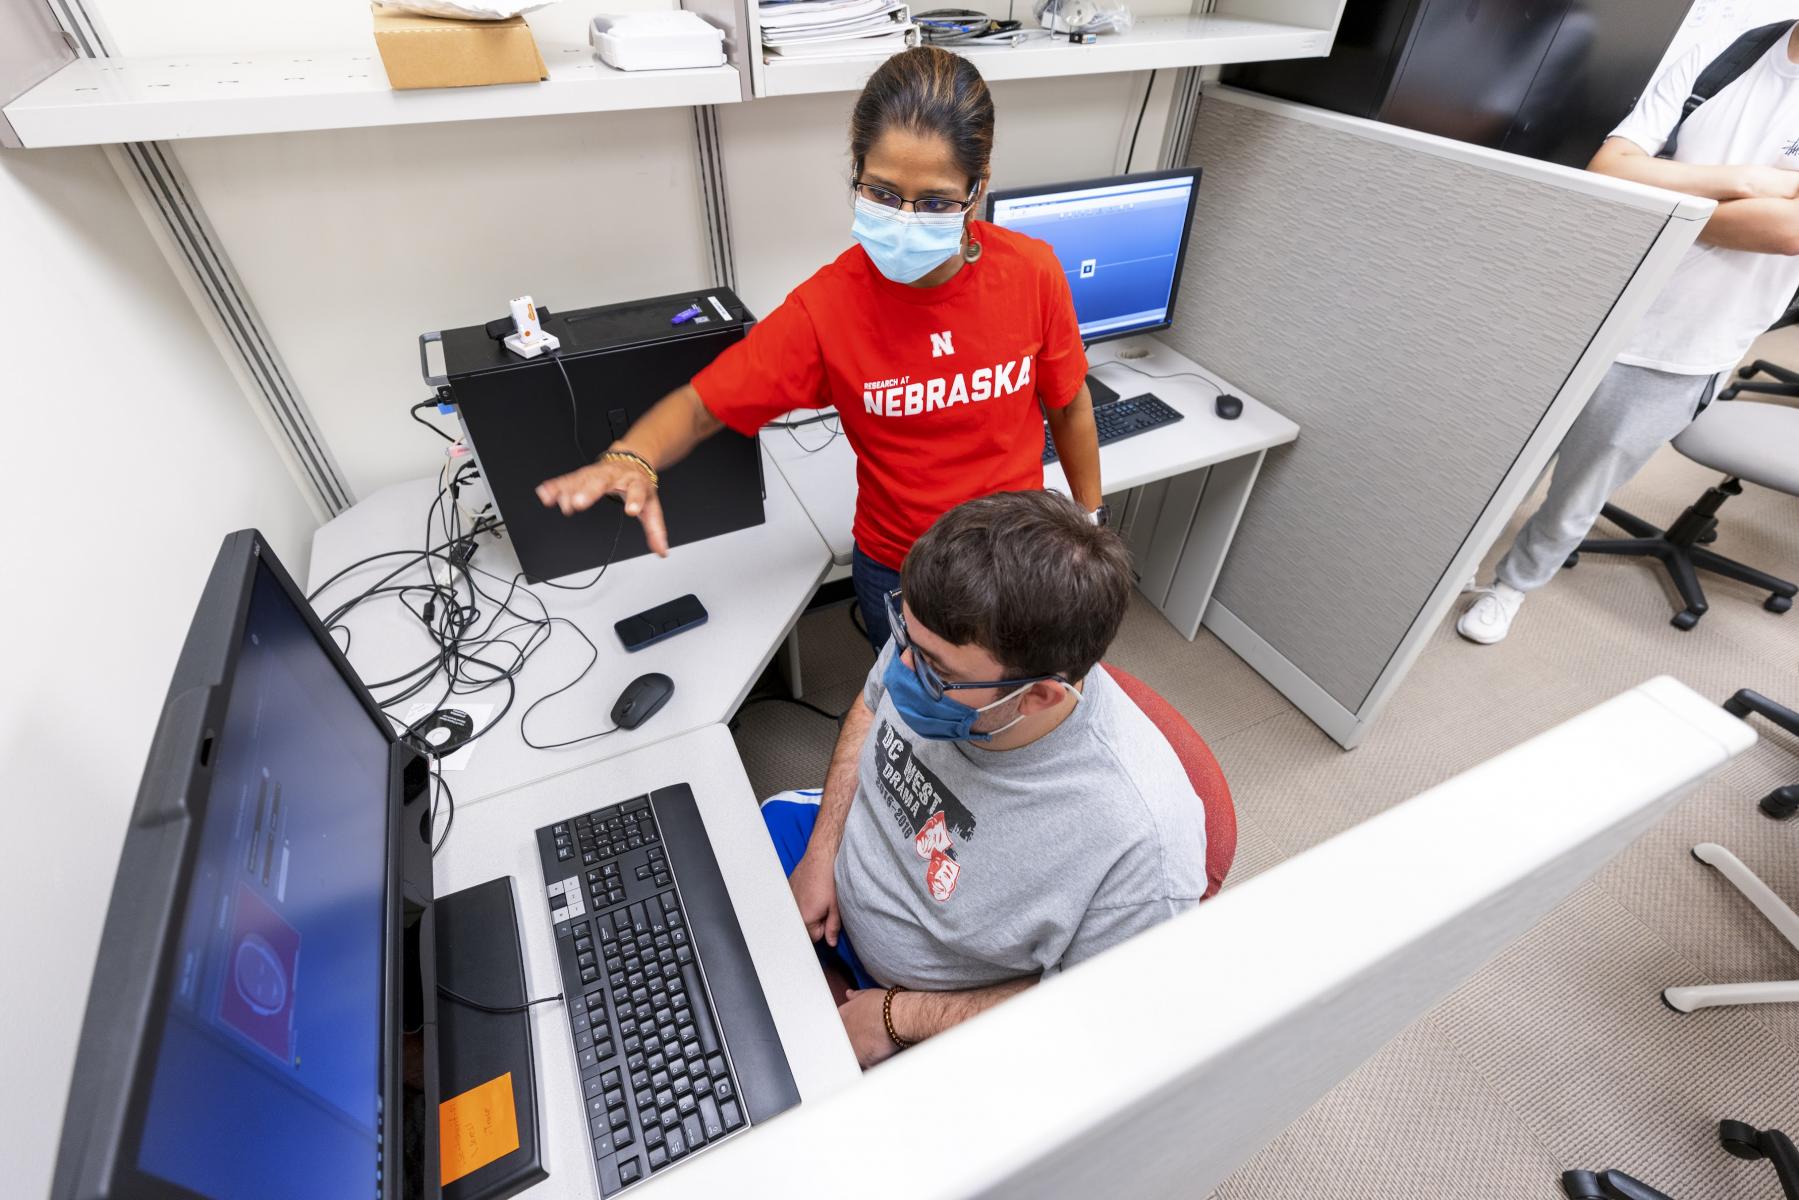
(996, 809)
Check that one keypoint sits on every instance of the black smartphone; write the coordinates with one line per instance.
(652, 625)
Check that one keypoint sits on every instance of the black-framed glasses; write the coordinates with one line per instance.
(932, 206)
(934, 684)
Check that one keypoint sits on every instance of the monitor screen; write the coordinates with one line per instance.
(267, 1075)
(1120, 242)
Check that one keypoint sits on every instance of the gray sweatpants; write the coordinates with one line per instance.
(1633, 413)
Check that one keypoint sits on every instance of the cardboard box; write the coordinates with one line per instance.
(433, 52)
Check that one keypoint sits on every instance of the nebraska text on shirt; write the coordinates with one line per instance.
(945, 390)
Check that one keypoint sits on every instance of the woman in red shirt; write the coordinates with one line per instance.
(936, 337)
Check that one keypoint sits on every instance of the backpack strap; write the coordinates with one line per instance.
(1723, 71)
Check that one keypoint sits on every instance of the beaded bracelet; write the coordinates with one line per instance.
(887, 1017)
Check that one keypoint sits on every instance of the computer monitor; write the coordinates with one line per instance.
(1121, 242)
(247, 1028)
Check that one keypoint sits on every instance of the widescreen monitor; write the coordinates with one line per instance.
(1121, 242)
(244, 1033)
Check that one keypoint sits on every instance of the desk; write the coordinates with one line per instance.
(1179, 531)
(754, 583)
(491, 840)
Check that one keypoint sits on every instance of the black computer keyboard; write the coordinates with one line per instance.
(647, 942)
(1122, 419)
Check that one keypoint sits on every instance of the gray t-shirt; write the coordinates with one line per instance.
(962, 867)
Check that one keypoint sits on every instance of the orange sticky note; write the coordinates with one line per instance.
(477, 1127)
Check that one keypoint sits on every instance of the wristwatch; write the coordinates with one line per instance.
(1101, 516)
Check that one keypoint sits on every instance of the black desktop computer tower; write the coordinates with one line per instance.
(526, 422)
(1548, 79)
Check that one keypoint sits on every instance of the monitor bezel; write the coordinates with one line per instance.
(994, 198)
(128, 1000)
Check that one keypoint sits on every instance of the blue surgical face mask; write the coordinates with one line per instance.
(942, 720)
(906, 246)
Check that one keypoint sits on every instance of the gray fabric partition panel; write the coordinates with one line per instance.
(1416, 315)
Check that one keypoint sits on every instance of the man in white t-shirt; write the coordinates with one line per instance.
(1740, 148)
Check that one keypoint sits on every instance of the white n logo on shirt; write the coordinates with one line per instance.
(940, 344)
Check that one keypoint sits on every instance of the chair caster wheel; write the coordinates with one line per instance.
(1708, 537)
(1781, 803)
(1685, 619)
(1740, 1140)
(1746, 372)
(1729, 393)
(1777, 604)
(1572, 560)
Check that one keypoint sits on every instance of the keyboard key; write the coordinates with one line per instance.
(676, 1142)
(590, 975)
(662, 878)
(584, 1040)
(701, 1018)
(684, 955)
(723, 1090)
(713, 1124)
(615, 1097)
(596, 1109)
(640, 1079)
(669, 1118)
(682, 1085)
(660, 1080)
(615, 896)
(652, 1134)
(715, 1065)
(665, 1098)
(620, 1118)
(733, 1118)
(629, 1171)
(692, 1131)
(592, 1087)
(645, 1098)
(701, 1085)
(658, 1158)
(685, 1105)
(610, 1078)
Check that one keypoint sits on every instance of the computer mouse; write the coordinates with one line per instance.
(642, 699)
(1228, 406)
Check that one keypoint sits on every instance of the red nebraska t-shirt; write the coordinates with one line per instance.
(937, 388)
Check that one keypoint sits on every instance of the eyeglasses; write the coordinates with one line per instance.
(934, 206)
(934, 683)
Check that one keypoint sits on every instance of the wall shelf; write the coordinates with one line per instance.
(94, 101)
(1154, 42)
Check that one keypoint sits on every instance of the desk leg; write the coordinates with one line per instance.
(1215, 521)
(790, 661)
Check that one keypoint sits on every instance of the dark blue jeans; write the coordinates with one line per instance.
(872, 582)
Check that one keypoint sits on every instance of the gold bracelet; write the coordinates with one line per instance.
(635, 459)
(887, 1017)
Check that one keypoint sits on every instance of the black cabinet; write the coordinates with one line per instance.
(1545, 78)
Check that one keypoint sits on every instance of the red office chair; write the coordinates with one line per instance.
(1202, 769)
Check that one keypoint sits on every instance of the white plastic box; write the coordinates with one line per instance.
(656, 41)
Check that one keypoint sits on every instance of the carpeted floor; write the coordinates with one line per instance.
(1558, 1053)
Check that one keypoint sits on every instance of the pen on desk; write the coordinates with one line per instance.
(686, 314)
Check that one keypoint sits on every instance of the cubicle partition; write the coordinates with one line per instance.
(1433, 316)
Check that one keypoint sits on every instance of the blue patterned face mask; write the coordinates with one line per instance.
(906, 246)
(940, 720)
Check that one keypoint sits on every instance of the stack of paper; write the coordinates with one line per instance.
(818, 28)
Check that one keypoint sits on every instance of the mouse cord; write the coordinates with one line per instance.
(1119, 362)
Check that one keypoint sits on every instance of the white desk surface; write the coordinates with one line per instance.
(754, 584)
(498, 838)
(825, 479)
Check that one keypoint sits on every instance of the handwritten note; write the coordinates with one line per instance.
(476, 1128)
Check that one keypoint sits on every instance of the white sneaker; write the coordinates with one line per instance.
(1490, 617)
(1472, 586)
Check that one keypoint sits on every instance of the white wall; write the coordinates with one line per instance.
(787, 165)
(353, 242)
(131, 453)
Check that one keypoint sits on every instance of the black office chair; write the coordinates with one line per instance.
(1744, 441)
(1782, 802)
(1738, 1138)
